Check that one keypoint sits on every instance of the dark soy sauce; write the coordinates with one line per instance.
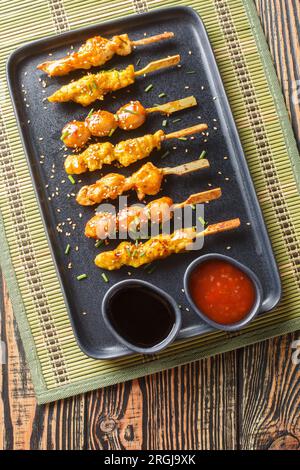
(141, 316)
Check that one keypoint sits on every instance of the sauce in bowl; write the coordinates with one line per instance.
(141, 316)
(222, 291)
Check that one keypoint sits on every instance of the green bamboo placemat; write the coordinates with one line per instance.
(59, 369)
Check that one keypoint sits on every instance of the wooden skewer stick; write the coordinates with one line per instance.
(220, 227)
(158, 64)
(186, 167)
(200, 198)
(129, 254)
(151, 39)
(187, 131)
(173, 106)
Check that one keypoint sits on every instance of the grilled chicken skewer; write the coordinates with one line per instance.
(93, 87)
(159, 247)
(97, 51)
(130, 116)
(146, 181)
(103, 224)
(125, 152)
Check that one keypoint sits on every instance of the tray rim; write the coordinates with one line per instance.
(16, 56)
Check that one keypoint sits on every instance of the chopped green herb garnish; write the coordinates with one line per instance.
(131, 112)
(203, 153)
(90, 113)
(81, 276)
(116, 117)
(148, 88)
(161, 95)
(202, 221)
(176, 120)
(95, 86)
(191, 71)
(64, 135)
(111, 132)
(138, 62)
(165, 154)
(182, 138)
(71, 179)
(193, 207)
(104, 277)
(67, 250)
(152, 269)
(98, 243)
(128, 250)
(146, 266)
(164, 123)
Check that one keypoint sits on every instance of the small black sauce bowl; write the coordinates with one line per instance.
(135, 282)
(257, 285)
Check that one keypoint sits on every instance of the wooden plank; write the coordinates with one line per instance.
(269, 396)
(280, 20)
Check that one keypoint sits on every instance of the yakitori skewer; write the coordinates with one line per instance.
(125, 152)
(146, 181)
(97, 51)
(102, 123)
(93, 87)
(159, 247)
(103, 224)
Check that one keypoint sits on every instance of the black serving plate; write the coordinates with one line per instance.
(41, 123)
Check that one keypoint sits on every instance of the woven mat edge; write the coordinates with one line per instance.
(20, 313)
(275, 86)
(43, 394)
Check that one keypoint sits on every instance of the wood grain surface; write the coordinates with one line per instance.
(246, 399)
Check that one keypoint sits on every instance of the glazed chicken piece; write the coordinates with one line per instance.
(93, 87)
(125, 152)
(104, 224)
(130, 116)
(146, 181)
(159, 247)
(96, 51)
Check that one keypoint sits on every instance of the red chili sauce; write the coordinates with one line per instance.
(222, 291)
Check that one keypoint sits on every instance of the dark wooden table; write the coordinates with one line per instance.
(245, 399)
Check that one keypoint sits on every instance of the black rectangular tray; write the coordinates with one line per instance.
(40, 126)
